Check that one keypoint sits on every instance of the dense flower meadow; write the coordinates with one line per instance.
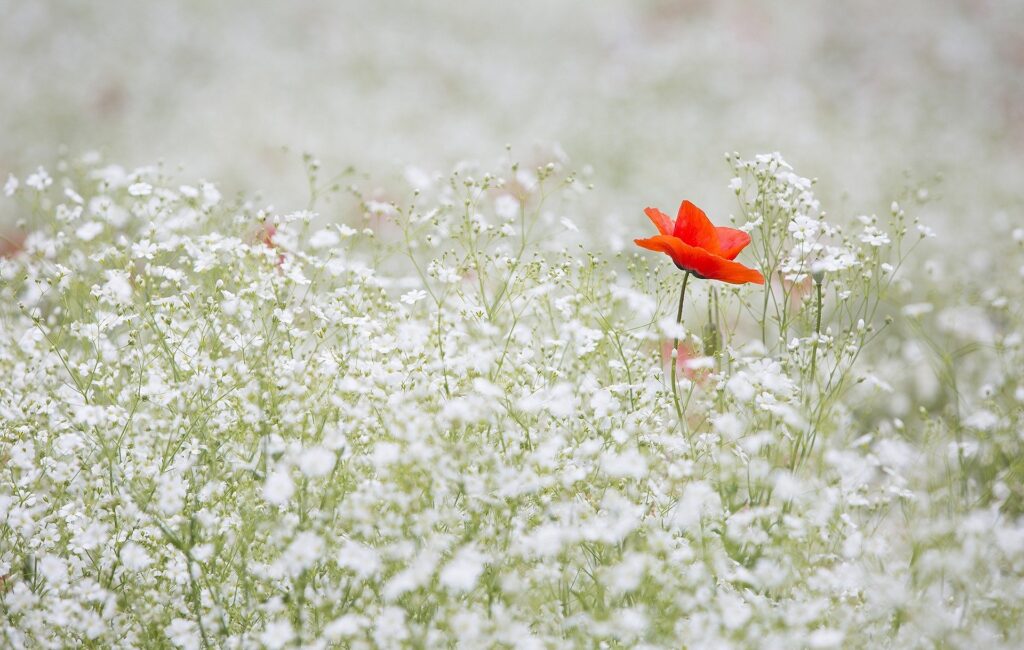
(447, 415)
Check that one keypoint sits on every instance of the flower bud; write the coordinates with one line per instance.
(818, 272)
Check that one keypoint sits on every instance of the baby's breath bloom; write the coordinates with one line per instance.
(222, 425)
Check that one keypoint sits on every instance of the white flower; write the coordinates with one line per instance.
(418, 179)
(211, 195)
(982, 420)
(277, 634)
(390, 629)
(348, 625)
(381, 208)
(279, 487)
(304, 552)
(177, 409)
(698, 501)
(89, 230)
(316, 461)
(527, 179)
(603, 403)
(728, 425)
(507, 207)
(358, 558)
(385, 453)
(630, 463)
(672, 329)
(559, 400)
(39, 180)
(74, 196)
(171, 493)
(734, 611)
(632, 621)
(825, 638)
(144, 249)
(134, 557)
(872, 236)
(11, 186)
(285, 316)
(118, 287)
(917, 309)
(53, 569)
(414, 296)
(324, 238)
(741, 388)
(463, 571)
(184, 634)
(140, 189)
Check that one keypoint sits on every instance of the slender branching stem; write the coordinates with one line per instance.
(817, 330)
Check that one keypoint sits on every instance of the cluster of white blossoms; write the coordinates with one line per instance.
(781, 206)
(423, 422)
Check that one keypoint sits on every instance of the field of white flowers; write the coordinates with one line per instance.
(460, 408)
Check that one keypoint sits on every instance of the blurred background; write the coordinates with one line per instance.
(650, 94)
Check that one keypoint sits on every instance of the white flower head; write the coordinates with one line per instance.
(324, 238)
(279, 487)
(140, 189)
(316, 462)
(134, 557)
(89, 230)
(414, 296)
(38, 180)
(277, 634)
(463, 571)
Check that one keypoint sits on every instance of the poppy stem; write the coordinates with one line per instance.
(675, 355)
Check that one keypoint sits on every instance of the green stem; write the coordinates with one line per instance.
(817, 332)
(804, 444)
(675, 355)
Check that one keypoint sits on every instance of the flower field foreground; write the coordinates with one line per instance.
(437, 425)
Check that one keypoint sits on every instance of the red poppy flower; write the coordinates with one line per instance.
(697, 246)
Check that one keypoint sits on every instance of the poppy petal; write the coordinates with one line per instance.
(700, 261)
(660, 220)
(731, 241)
(694, 228)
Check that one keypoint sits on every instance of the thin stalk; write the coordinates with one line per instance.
(804, 444)
(817, 331)
(675, 355)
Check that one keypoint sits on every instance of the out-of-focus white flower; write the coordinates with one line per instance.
(140, 189)
(507, 207)
(279, 487)
(324, 238)
(134, 557)
(39, 180)
(463, 571)
(89, 230)
(316, 461)
(277, 634)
